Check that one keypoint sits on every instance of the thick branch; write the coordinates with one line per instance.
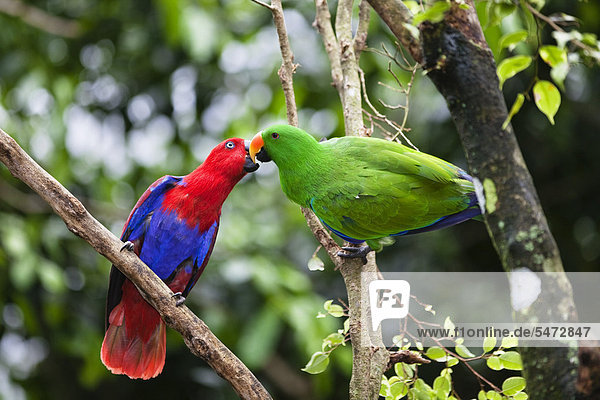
(197, 336)
(461, 65)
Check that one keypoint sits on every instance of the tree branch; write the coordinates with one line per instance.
(368, 362)
(40, 19)
(197, 336)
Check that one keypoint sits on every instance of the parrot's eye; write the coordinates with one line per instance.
(230, 145)
(275, 135)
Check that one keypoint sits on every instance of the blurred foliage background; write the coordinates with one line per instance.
(115, 94)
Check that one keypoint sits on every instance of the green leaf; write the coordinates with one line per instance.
(346, 325)
(317, 363)
(513, 385)
(481, 395)
(513, 111)
(333, 340)
(436, 353)
(398, 390)
(384, 390)
(399, 370)
(511, 66)
(442, 386)
(521, 396)
(489, 342)
(433, 14)
(462, 350)
(497, 12)
(492, 395)
(556, 57)
(316, 264)
(334, 310)
(511, 360)
(404, 370)
(559, 73)
(494, 363)
(547, 99)
(452, 361)
(553, 55)
(509, 341)
(423, 388)
(510, 40)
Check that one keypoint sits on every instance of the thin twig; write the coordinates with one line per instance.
(260, 3)
(398, 128)
(556, 27)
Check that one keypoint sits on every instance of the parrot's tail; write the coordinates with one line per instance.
(135, 340)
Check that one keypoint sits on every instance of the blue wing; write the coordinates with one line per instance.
(145, 206)
(174, 250)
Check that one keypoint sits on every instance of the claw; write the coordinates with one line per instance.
(180, 299)
(354, 252)
(128, 245)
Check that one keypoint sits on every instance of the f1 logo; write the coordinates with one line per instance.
(388, 299)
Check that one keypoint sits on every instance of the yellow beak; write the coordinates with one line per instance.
(255, 146)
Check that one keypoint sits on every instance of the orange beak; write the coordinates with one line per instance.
(255, 146)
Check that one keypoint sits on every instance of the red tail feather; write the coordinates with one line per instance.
(135, 341)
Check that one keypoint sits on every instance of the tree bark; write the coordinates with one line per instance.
(461, 65)
(196, 334)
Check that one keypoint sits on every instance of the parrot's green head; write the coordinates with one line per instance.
(284, 144)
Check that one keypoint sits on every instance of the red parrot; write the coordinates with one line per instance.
(172, 228)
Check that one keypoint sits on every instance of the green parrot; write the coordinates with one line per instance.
(364, 189)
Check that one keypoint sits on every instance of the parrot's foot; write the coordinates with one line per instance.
(355, 252)
(128, 245)
(180, 299)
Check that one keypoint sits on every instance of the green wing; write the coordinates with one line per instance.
(384, 188)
